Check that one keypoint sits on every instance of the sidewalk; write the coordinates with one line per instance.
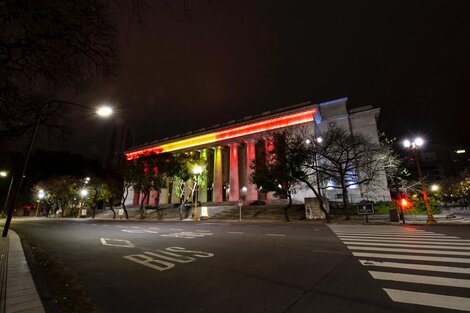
(18, 291)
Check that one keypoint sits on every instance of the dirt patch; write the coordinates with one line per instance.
(59, 287)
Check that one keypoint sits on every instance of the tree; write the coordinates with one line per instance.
(143, 174)
(106, 192)
(49, 45)
(182, 173)
(302, 160)
(152, 172)
(128, 175)
(61, 193)
(274, 172)
(348, 159)
(457, 188)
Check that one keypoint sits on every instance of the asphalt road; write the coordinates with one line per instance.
(261, 267)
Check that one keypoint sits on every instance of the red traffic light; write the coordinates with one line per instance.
(404, 202)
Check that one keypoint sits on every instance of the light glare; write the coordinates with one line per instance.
(104, 111)
(407, 143)
(419, 141)
(3, 174)
(197, 170)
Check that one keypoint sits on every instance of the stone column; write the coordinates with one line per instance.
(202, 195)
(217, 191)
(252, 193)
(152, 195)
(164, 196)
(175, 193)
(136, 196)
(234, 181)
(268, 149)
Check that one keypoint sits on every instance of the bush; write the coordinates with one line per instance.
(419, 207)
(383, 207)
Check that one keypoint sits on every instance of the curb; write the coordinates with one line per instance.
(21, 294)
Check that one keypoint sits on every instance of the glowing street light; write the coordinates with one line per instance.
(435, 188)
(319, 139)
(3, 174)
(41, 195)
(102, 112)
(83, 193)
(414, 146)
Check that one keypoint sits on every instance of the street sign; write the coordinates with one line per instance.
(365, 208)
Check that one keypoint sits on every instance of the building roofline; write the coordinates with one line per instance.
(230, 124)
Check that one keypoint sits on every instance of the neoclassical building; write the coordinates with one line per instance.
(230, 148)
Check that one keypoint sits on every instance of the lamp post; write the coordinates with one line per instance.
(41, 195)
(83, 194)
(197, 170)
(414, 146)
(5, 174)
(103, 111)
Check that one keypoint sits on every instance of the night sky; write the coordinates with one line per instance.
(238, 58)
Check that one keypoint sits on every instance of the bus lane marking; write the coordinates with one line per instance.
(160, 259)
(117, 243)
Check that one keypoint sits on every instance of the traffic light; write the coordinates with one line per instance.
(404, 203)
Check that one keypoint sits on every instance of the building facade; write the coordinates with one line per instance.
(229, 149)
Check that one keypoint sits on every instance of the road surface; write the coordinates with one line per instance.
(129, 266)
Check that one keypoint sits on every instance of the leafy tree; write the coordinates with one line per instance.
(152, 172)
(106, 192)
(142, 171)
(61, 193)
(45, 165)
(129, 177)
(274, 173)
(183, 172)
(457, 188)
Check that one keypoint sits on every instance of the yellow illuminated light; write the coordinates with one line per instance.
(229, 133)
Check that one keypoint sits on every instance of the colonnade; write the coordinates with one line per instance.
(235, 180)
(227, 173)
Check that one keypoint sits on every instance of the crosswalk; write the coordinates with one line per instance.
(415, 259)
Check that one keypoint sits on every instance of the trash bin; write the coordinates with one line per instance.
(393, 216)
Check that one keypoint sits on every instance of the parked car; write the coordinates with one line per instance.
(257, 202)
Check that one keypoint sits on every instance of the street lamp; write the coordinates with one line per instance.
(5, 174)
(414, 146)
(41, 195)
(197, 170)
(83, 194)
(103, 111)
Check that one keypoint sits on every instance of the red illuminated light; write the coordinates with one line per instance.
(228, 133)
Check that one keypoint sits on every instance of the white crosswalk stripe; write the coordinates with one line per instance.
(416, 259)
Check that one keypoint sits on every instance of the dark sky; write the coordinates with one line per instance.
(237, 58)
